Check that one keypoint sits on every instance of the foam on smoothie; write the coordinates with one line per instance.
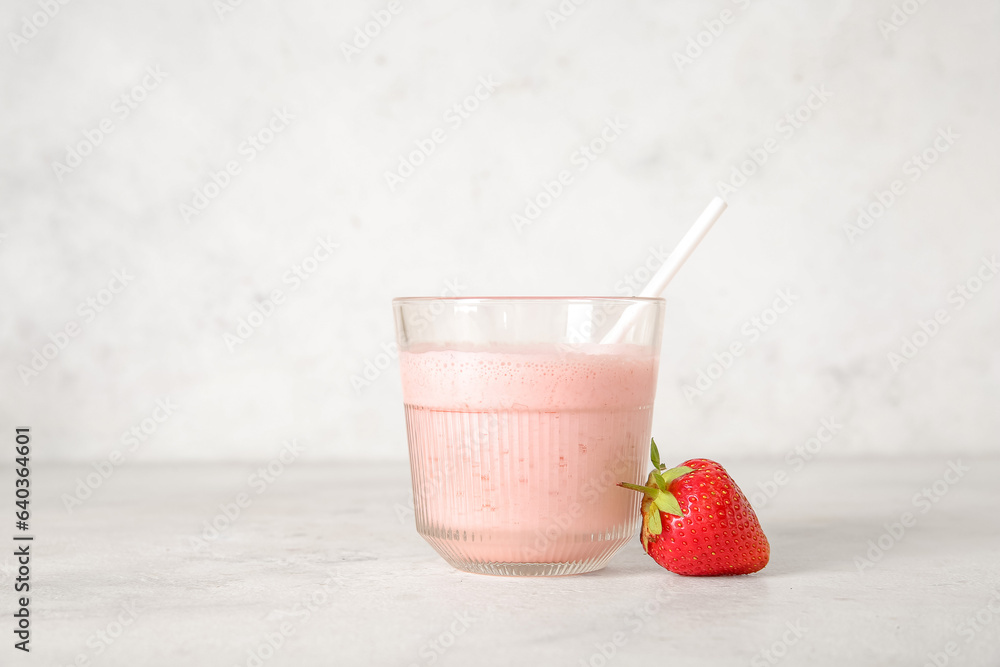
(538, 377)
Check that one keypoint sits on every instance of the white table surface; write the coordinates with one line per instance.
(335, 534)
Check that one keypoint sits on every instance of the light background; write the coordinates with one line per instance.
(323, 176)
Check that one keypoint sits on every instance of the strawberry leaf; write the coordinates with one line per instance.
(672, 474)
(653, 524)
(667, 503)
(654, 453)
(648, 490)
(661, 483)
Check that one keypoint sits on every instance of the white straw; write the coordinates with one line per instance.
(665, 274)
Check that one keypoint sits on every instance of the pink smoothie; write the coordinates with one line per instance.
(515, 451)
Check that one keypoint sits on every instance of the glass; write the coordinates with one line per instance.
(520, 423)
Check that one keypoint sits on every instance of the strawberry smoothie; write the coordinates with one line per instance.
(515, 451)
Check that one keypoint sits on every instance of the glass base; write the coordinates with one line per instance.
(589, 557)
(531, 569)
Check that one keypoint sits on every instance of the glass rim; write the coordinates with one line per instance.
(528, 299)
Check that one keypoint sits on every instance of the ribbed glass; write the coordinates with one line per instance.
(522, 415)
(525, 492)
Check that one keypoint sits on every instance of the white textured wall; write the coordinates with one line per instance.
(322, 176)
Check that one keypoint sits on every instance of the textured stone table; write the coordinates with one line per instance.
(325, 565)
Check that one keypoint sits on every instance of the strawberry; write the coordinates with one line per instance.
(696, 521)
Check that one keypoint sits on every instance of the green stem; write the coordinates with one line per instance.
(648, 490)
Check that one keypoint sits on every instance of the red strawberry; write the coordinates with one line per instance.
(696, 521)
